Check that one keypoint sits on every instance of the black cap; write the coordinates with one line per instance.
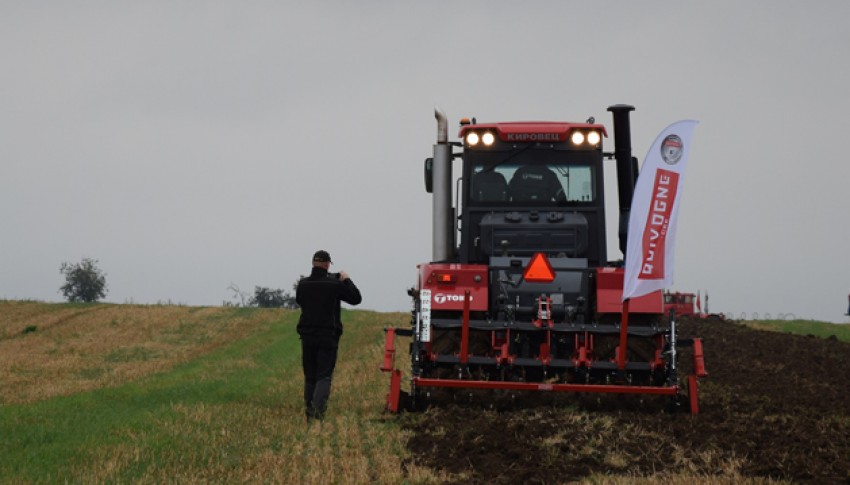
(322, 256)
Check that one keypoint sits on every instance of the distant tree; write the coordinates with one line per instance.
(238, 294)
(266, 298)
(269, 298)
(289, 301)
(84, 281)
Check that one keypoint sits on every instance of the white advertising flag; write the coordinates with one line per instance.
(655, 209)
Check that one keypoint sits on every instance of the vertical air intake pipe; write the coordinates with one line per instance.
(626, 167)
(443, 227)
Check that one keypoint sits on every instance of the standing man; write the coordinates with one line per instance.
(319, 296)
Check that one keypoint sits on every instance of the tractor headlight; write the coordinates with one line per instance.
(592, 137)
(577, 138)
(472, 139)
(488, 139)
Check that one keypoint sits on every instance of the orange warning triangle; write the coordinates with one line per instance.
(539, 270)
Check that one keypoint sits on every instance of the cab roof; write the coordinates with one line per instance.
(513, 131)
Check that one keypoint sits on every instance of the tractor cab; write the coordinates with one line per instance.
(529, 188)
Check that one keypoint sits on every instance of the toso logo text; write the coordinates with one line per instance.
(441, 298)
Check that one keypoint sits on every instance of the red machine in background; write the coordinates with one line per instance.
(681, 304)
(528, 299)
(689, 305)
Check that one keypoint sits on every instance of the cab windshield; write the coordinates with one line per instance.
(532, 184)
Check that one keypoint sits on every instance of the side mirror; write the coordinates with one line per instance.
(429, 175)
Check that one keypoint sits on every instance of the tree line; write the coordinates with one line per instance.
(85, 282)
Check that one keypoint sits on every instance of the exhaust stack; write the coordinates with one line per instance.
(443, 227)
(627, 169)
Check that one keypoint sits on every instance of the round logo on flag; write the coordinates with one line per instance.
(671, 149)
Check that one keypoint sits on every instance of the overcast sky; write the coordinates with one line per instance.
(192, 145)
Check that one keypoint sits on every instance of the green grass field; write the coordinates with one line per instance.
(805, 327)
(232, 414)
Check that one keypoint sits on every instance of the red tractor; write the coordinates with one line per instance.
(527, 298)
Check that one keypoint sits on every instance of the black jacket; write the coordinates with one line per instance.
(319, 296)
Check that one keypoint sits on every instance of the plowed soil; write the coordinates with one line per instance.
(774, 406)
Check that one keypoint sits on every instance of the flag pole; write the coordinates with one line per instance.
(624, 333)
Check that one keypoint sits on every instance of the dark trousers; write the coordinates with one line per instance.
(318, 357)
